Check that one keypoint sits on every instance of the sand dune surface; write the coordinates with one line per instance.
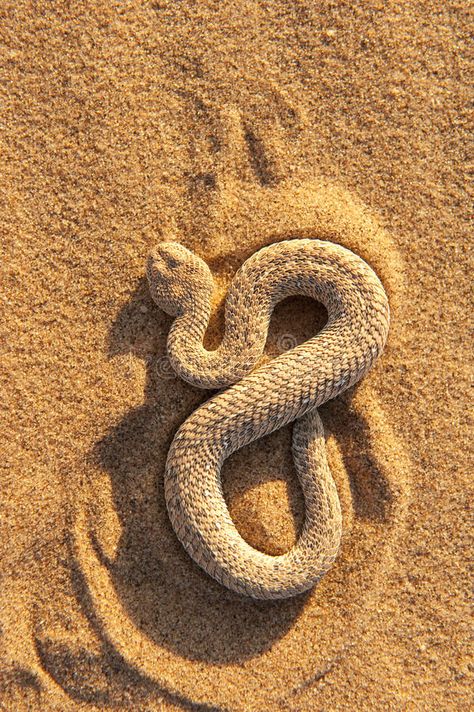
(228, 126)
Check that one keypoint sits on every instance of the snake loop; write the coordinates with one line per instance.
(259, 400)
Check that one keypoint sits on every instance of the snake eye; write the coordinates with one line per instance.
(170, 253)
(172, 262)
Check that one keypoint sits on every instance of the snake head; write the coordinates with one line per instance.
(178, 279)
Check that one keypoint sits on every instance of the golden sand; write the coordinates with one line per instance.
(227, 126)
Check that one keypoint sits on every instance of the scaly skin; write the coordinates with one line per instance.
(261, 400)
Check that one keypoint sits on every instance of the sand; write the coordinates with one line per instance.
(228, 126)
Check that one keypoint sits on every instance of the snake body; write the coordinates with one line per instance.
(259, 400)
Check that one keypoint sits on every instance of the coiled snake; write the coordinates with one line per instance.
(257, 402)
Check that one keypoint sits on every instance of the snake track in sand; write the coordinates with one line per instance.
(260, 400)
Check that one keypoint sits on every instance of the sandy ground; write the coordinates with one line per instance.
(228, 125)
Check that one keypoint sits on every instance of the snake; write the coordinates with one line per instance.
(253, 399)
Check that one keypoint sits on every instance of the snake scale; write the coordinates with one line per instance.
(260, 399)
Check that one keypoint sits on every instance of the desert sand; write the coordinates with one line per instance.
(228, 126)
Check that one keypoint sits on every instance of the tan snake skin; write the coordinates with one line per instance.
(257, 402)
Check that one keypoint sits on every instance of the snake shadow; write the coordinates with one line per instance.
(167, 596)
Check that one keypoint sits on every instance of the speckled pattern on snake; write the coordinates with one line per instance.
(260, 399)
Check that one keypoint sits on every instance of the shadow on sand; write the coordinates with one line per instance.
(167, 596)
